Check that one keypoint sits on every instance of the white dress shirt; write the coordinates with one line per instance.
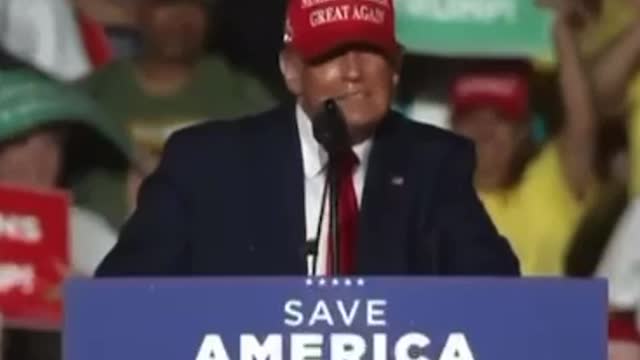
(314, 159)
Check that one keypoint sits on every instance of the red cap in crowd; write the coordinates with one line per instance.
(507, 93)
(316, 27)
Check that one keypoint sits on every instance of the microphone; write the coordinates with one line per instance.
(330, 129)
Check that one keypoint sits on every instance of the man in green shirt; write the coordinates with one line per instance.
(172, 83)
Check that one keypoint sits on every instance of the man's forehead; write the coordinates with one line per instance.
(353, 47)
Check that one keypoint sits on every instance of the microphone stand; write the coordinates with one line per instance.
(330, 190)
(334, 212)
(330, 130)
(312, 245)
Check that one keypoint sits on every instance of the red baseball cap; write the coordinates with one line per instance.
(508, 93)
(316, 27)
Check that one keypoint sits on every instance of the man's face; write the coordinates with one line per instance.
(360, 79)
(497, 141)
(174, 29)
(32, 160)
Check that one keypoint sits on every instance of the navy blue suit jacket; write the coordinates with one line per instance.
(228, 199)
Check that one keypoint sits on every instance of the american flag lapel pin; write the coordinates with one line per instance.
(397, 181)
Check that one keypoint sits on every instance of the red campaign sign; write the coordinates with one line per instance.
(34, 232)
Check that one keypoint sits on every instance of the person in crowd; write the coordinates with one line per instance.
(405, 187)
(50, 137)
(535, 196)
(44, 33)
(171, 84)
(620, 265)
(616, 78)
(602, 245)
(605, 245)
(600, 220)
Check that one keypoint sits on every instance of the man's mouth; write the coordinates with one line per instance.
(351, 95)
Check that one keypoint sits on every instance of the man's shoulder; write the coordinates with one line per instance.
(221, 136)
(231, 132)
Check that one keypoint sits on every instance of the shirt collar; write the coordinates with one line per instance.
(314, 157)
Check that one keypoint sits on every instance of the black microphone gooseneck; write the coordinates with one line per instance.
(311, 246)
(330, 131)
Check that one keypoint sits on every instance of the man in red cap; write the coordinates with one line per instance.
(406, 199)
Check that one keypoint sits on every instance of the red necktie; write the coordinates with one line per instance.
(348, 221)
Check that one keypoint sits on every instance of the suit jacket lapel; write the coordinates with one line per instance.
(382, 244)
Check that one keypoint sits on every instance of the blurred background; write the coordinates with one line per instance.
(90, 90)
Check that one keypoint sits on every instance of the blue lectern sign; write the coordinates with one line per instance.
(336, 319)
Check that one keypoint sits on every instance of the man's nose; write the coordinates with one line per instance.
(352, 63)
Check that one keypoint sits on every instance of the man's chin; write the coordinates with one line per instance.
(358, 120)
(362, 129)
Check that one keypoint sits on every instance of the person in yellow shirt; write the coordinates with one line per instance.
(535, 198)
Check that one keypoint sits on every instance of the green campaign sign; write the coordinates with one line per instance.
(492, 28)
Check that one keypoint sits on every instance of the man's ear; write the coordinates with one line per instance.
(291, 69)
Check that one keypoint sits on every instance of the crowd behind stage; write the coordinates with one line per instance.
(90, 91)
